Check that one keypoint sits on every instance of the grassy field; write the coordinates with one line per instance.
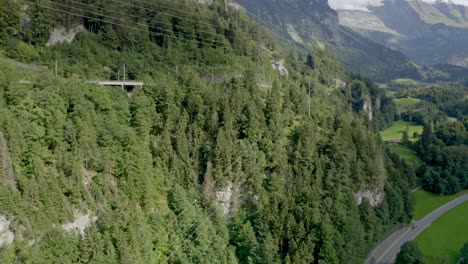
(407, 154)
(396, 131)
(426, 202)
(406, 104)
(442, 241)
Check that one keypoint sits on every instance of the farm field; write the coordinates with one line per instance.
(395, 132)
(442, 241)
(407, 154)
(406, 104)
(426, 202)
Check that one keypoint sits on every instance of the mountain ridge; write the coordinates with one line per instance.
(316, 21)
(430, 34)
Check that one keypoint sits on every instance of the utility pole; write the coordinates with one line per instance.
(118, 75)
(309, 100)
(123, 84)
(124, 77)
(56, 66)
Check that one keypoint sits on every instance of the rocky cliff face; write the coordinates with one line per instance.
(311, 19)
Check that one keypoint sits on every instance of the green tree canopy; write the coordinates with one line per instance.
(410, 254)
(464, 254)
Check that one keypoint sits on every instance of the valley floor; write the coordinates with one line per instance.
(441, 243)
(386, 251)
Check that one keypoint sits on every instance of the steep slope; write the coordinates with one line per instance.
(430, 34)
(315, 20)
(246, 165)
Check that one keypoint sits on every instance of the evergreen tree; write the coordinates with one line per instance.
(405, 137)
(410, 254)
(310, 61)
(464, 254)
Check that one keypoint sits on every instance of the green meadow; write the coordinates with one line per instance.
(442, 241)
(396, 131)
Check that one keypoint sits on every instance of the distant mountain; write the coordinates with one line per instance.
(428, 33)
(308, 22)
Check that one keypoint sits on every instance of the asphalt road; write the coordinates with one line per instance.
(387, 250)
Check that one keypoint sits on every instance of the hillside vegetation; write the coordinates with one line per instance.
(246, 169)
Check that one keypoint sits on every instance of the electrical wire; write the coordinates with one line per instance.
(151, 9)
(211, 43)
(146, 31)
(126, 21)
(160, 22)
(203, 222)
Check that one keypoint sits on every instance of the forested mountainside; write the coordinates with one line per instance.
(219, 158)
(309, 22)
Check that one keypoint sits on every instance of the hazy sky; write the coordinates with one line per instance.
(361, 4)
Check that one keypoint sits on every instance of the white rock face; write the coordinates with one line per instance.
(338, 83)
(61, 34)
(367, 107)
(294, 34)
(279, 66)
(364, 20)
(354, 4)
(224, 197)
(378, 103)
(80, 224)
(6, 235)
(375, 197)
(364, 5)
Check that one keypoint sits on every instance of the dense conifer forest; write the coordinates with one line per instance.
(219, 158)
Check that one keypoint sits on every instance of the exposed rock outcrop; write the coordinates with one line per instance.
(6, 235)
(279, 66)
(375, 197)
(82, 221)
(338, 83)
(294, 34)
(367, 107)
(224, 197)
(60, 34)
(378, 103)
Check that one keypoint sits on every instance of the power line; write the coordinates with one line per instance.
(213, 184)
(255, 17)
(142, 30)
(135, 23)
(232, 46)
(176, 10)
(252, 15)
(211, 214)
(161, 22)
(146, 31)
(166, 6)
(203, 193)
(151, 9)
(186, 238)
